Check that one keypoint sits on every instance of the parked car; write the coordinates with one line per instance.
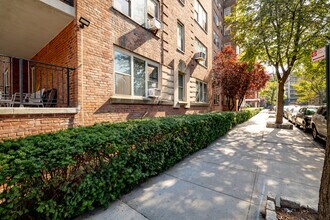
(304, 117)
(292, 113)
(286, 108)
(319, 123)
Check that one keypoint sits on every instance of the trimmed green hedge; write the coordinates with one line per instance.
(64, 174)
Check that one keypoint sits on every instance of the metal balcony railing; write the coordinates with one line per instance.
(29, 83)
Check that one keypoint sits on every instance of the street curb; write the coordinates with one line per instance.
(271, 124)
(273, 202)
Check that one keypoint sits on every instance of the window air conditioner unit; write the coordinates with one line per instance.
(154, 24)
(154, 92)
(200, 56)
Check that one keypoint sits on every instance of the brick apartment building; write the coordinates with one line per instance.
(68, 63)
(228, 9)
(218, 39)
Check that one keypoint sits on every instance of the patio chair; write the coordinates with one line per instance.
(4, 100)
(50, 98)
(16, 100)
(35, 99)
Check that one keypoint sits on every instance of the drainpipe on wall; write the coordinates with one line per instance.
(82, 75)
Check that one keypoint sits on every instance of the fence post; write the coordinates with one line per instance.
(21, 82)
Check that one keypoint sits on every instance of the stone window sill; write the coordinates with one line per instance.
(138, 101)
(200, 104)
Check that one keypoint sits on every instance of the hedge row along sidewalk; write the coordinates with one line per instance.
(64, 174)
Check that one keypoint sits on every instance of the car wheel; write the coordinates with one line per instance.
(294, 121)
(314, 133)
(304, 127)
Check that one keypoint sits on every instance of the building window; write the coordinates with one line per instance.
(134, 75)
(200, 15)
(199, 47)
(153, 9)
(181, 86)
(123, 73)
(227, 11)
(227, 31)
(216, 99)
(152, 71)
(140, 11)
(216, 39)
(139, 77)
(227, 44)
(124, 6)
(180, 36)
(216, 19)
(201, 92)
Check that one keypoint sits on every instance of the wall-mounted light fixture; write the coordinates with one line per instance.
(83, 22)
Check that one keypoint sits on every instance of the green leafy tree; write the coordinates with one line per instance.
(269, 92)
(311, 82)
(282, 33)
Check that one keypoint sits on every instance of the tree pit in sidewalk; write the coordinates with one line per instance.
(296, 214)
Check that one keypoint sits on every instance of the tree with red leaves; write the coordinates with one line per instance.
(237, 79)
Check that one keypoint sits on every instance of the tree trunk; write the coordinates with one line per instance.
(320, 99)
(240, 101)
(231, 104)
(279, 106)
(324, 197)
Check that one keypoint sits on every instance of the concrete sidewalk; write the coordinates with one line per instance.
(229, 179)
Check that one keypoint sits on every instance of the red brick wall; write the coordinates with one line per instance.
(62, 51)
(15, 126)
(121, 112)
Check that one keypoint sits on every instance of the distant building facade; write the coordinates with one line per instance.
(290, 92)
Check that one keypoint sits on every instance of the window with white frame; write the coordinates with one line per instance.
(140, 11)
(180, 31)
(181, 86)
(199, 47)
(134, 75)
(124, 6)
(201, 91)
(200, 15)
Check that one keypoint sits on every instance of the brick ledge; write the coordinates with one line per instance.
(37, 111)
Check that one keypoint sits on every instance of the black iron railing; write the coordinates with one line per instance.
(69, 2)
(29, 83)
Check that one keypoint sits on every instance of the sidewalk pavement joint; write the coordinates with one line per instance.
(206, 187)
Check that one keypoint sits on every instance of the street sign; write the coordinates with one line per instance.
(318, 54)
